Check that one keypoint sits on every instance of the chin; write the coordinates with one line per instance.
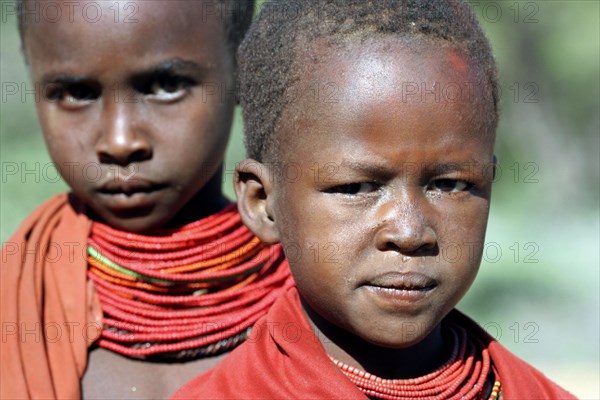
(399, 335)
(396, 343)
(135, 223)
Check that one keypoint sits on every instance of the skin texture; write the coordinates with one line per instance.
(380, 199)
(136, 115)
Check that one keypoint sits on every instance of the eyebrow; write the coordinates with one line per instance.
(374, 168)
(63, 78)
(170, 66)
(176, 65)
(449, 167)
(367, 167)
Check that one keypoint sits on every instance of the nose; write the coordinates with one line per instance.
(405, 226)
(123, 139)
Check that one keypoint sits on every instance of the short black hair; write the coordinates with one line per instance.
(268, 56)
(236, 14)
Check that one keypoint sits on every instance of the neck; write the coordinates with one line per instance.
(207, 201)
(386, 363)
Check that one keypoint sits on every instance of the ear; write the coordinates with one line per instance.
(495, 162)
(253, 186)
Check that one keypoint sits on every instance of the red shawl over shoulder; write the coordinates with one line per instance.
(49, 314)
(283, 359)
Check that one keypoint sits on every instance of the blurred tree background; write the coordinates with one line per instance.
(538, 289)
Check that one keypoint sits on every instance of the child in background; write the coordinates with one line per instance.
(370, 129)
(132, 284)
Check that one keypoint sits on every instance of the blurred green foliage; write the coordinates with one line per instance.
(539, 283)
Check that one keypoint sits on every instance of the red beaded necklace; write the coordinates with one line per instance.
(463, 376)
(187, 292)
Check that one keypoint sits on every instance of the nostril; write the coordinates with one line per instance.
(123, 148)
(106, 158)
(391, 246)
(399, 238)
(124, 157)
(140, 155)
(427, 249)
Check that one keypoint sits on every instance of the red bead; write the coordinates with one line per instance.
(221, 280)
(463, 376)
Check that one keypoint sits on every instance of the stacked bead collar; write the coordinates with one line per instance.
(183, 293)
(464, 376)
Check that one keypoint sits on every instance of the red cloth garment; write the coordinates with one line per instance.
(520, 381)
(283, 358)
(49, 314)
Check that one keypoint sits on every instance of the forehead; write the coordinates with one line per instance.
(405, 85)
(389, 67)
(91, 30)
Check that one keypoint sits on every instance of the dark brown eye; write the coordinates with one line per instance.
(354, 188)
(73, 94)
(76, 92)
(449, 185)
(169, 88)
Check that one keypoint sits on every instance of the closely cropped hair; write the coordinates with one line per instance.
(268, 56)
(236, 14)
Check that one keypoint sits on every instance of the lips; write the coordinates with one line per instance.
(129, 187)
(122, 195)
(397, 291)
(402, 281)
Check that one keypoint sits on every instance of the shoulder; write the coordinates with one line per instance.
(239, 374)
(282, 358)
(245, 372)
(519, 379)
(59, 216)
(46, 209)
(39, 277)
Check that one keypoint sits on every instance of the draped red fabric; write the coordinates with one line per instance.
(50, 315)
(284, 359)
(281, 359)
(519, 379)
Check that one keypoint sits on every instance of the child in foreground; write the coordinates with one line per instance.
(133, 283)
(370, 132)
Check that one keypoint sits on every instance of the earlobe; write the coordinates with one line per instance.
(253, 186)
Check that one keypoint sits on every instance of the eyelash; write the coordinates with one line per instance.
(439, 185)
(355, 188)
(465, 186)
(165, 88)
(73, 93)
(173, 87)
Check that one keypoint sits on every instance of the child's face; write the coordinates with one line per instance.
(383, 203)
(135, 108)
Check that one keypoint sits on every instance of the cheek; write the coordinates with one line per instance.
(204, 126)
(321, 256)
(50, 124)
(301, 233)
(191, 140)
(461, 238)
(462, 222)
(71, 133)
(318, 230)
(73, 158)
(70, 144)
(307, 229)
